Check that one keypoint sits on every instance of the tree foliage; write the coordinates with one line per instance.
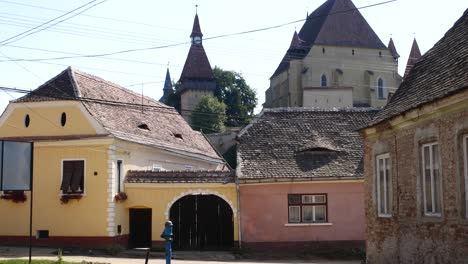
(209, 115)
(239, 98)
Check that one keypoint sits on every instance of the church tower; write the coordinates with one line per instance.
(167, 90)
(415, 54)
(197, 79)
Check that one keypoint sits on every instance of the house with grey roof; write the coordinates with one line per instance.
(335, 60)
(416, 161)
(300, 176)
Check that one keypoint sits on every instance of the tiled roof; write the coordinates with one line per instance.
(197, 66)
(440, 72)
(179, 177)
(122, 116)
(414, 56)
(302, 143)
(334, 23)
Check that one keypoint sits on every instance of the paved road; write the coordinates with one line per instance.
(44, 253)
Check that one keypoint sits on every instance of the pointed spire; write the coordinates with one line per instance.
(196, 30)
(415, 54)
(168, 82)
(393, 51)
(295, 42)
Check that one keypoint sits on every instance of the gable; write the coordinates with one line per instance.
(45, 120)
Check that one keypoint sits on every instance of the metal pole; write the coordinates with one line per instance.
(147, 255)
(31, 204)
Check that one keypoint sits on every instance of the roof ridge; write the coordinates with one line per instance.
(320, 109)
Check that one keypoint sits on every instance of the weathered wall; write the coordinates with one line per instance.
(189, 99)
(409, 236)
(264, 214)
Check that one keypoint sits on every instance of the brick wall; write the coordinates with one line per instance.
(409, 236)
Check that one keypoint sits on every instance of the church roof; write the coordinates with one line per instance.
(335, 23)
(119, 111)
(439, 73)
(393, 51)
(196, 30)
(415, 54)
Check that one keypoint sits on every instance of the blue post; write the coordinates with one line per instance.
(167, 235)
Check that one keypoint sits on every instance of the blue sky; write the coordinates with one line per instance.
(117, 25)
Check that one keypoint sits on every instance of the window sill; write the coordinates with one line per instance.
(384, 216)
(309, 224)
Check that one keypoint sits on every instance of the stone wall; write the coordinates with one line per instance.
(408, 236)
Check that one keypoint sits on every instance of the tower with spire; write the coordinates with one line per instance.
(167, 90)
(197, 79)
(415, 54)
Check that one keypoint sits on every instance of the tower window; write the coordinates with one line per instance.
(27, 121)
(323, 80)
(380, 88)
(63, 119)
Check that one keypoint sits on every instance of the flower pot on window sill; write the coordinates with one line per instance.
(65, 198)
(14, 196)
(120, 197)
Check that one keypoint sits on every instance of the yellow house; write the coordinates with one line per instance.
(110, 167)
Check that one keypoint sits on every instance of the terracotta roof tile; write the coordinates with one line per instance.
(117, 110)
(179, 177)
(440, 72)
(303, 143)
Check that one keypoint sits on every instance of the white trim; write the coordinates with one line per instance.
(423, 174)
(309, 224)
(199, 192)
(465, 161)
(84, 175)
(387, 178)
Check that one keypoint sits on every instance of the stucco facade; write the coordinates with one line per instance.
(356, 68)
(264, 214)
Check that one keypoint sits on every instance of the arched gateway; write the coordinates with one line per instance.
(202, 222)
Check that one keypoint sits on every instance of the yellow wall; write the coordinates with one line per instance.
(86, 217)
(45, 120)
(159, 196)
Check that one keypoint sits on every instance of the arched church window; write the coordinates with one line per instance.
(323, 80)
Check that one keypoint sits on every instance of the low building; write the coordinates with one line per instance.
(111, 166)
(300, 175)
(416, 161)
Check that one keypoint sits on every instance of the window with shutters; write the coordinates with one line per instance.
(307, 208)
(73, 176)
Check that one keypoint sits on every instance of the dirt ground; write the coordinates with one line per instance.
(188, 257)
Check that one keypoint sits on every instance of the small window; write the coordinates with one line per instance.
(27, 121)
(42, 234)
(72, 177)
(119, 175)
(143, 126)
(380, 54)
(156, 167)
(178, 135)
(63, 119)
(352, 52)
(323, 80)
(188, 167)
(431, 182)
(307, 208)
(383, 184)
(380, 88)
(465, 159)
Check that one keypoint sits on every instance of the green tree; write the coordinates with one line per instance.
(209, 115)
(239, 98)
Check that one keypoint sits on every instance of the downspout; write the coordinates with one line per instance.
(398, 200)
(239, 213)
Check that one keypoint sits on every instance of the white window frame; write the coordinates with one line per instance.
(387, 189)
(84, 175)
(423, 179)
(465, 162)
(313, 204)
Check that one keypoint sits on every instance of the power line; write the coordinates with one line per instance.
(219, 36)
(31, 31)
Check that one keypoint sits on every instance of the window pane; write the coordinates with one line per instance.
(294, 214)
(466, 177)
(388, 184)
(307, 199)
(436, 171)
(320, 199)
(381, 181)
(308, 213)
(427, 179)
(294, 199)
(320, 213)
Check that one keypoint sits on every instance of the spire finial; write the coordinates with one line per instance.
(168, 64)
(307, 15)
(196, 9)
